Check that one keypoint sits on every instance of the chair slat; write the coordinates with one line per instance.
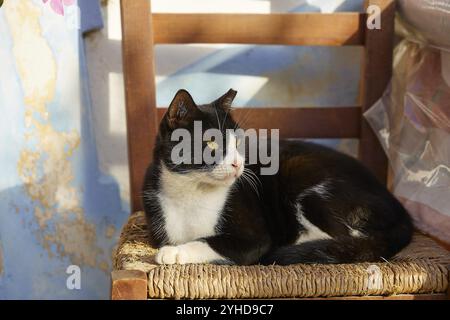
(305, 122)
(334, 29)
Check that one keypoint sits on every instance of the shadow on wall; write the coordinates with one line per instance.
(104, 61)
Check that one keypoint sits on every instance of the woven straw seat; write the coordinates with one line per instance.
(422, 267)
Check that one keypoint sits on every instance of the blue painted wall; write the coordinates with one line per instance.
(56, 208)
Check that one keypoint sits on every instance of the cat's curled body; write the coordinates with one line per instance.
(320, 207)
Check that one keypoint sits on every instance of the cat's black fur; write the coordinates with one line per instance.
(262, 228)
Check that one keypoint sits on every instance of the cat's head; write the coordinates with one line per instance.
(199, 140)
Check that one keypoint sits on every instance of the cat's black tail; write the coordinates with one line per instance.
(331, 251)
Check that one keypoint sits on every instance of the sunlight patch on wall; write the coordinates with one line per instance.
(326, 6)
(114, 27)
(116, 119)
(120, 173)
(195, 83)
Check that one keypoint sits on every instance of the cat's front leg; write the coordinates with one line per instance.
(191, 252)
(230, 249)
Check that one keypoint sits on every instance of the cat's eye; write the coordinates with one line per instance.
(212, 145)
(238, 142)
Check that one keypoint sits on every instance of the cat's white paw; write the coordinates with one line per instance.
(174, 255)
(191, 252)
(167, 255)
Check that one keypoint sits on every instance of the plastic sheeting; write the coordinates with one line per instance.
(430, 18)
(412, 120)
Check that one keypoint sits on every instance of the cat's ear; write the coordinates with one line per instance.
(226, 100)
(182, 110)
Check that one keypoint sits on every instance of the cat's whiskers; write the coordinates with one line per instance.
(254, 175)
(250, 180)
(251, 183)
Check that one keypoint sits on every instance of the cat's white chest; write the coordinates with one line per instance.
(190, 213)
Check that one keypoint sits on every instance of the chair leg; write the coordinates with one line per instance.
(128, 285)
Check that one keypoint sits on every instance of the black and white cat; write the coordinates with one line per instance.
(321, 207)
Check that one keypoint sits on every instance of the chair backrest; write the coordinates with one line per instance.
(141, 30)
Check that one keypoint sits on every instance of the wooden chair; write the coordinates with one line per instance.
(142, 30)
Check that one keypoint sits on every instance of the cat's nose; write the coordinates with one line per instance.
(236, 164)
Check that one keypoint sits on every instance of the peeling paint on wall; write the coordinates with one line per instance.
(44, 165)
(110, 231)
(57, 208)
